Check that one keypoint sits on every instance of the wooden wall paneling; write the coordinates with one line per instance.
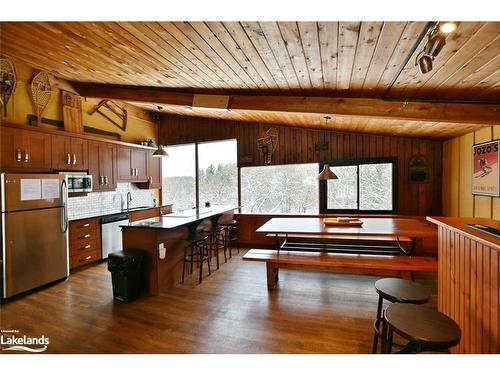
(496, 201)
(454, 178)
(298, 146)
(482, 204)
(466, 207)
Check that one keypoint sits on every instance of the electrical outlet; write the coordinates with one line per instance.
(162, 251)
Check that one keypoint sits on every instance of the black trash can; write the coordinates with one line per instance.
(127, 273)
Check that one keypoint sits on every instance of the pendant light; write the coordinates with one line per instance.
(327, 173)
(160, 151)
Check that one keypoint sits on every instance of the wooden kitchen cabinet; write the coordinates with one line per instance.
(85, 242)
(69, 153)
(140, 163)
(153, 173)
(24, 150)
(102, 165)
(132, 164)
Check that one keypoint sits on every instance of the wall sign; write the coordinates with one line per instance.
(419, 170)
(485, 161)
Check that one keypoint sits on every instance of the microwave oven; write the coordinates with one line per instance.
(78, 182)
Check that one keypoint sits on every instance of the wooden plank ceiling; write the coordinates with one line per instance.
(346, 59)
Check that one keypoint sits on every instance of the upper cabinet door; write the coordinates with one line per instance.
(37, 148)
(61, 152)
(11, 153)
(124, 163)
(107, 165)
(97, 179)
(154, 171)
(140, 164)
(79, 154)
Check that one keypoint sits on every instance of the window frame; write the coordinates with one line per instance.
(323, 189)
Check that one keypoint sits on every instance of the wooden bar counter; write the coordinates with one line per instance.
(171, 230)
(468, 281)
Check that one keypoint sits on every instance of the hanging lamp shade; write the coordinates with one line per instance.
(160, 152)
(327, 174)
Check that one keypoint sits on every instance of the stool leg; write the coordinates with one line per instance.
(225, 256)
(191, 260)
(377, 325)
(201, 263)
(183, 266)
(217, 254)
(208, 260)
(383, 343)
(390, 335)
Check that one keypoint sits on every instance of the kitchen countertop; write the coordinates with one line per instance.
(178, 219)
(104, 212)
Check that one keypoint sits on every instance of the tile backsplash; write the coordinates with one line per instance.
(110, 200)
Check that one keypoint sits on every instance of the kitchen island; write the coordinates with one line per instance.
(171, 230)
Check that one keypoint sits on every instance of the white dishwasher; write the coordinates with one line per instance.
(111, 233)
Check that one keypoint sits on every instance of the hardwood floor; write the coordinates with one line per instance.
(230, 312)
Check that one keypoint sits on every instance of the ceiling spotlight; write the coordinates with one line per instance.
(447, 27)
(424, 64)
(435, 44)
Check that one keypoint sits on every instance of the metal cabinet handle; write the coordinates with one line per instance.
(131, 171)
(19, 157)
(68, 159)
(86, 236)
(89, 257)
(87, 247)
(86, 225)
(101, 180)
(106, 180)
(74, 159)
(26, 157)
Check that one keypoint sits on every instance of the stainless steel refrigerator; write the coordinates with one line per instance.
(34, 231)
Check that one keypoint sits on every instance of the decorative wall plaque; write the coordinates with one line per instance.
(419, 170)
(112, 112)
(268, 144)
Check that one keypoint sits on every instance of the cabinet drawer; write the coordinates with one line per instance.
(83, 225)
(78, 247)
(84, 258)
(79, 235)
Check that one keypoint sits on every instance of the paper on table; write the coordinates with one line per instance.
(50, 189)
(31, 189)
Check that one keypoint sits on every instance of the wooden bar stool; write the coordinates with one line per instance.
(216, 242)
(396, 290)
(230, 235)
(426, 329)
(196, 252)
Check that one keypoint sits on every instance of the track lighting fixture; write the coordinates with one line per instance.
(436, 40)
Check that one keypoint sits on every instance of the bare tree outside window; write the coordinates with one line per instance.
(289, 188)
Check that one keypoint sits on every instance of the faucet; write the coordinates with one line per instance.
(129, 200)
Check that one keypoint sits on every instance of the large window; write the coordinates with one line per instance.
(218, 172)
(289, 188)
(216, 177)
(179, 177)
(367, 185)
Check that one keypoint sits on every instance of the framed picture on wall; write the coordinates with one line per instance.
(485, 174)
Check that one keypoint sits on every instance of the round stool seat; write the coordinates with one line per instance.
(214, 230)
(400, 290)
(423, 325)
(229, 222)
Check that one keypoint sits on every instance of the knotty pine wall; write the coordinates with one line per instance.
(297, 145)
(457, 172)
